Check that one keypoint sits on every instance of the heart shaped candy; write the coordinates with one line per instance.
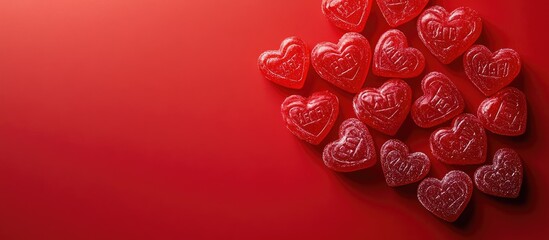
(354, 150)
(505, 113)
(393, 57)
(398, 12)
(441, 101)
(344, 64)
(448, 35)
(350, 15)
(446, 198)
(385, 108)
(504, 177)
(401, 167)
(464, 143)
(287, 66)
(310, 119)
(490, 72)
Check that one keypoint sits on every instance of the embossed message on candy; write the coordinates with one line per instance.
(401, 167)
(441, 101)
(354, 150)
(504, 177)
(398, 12)
(350, 15)
(488, 71)
(505, 113)
(384, 109)
(393, 57)
(345, 64)
(287, 66)
(310, 119)
(464, 143)
(446, 198)
(448, 35)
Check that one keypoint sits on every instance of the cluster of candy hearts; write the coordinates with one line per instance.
(447, 35)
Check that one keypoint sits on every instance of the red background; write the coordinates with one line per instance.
(147, 119)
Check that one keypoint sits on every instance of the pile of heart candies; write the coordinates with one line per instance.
(447, 35)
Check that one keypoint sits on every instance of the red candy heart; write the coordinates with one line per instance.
(446, 198)
(385, 108)
(448, 35)
(393, 57)
(287, 66)
(354, 150)
(504, 177)
(505, 113)
(464, 143)
(441, 101)
(401, 167)
(310, 119)
(344, 64)
(397, 12)
(491, 72)
(348, 15)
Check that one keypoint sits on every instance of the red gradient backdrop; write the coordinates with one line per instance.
(144, 119)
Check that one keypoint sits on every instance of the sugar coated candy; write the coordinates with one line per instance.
(310, 119)
(287, 66)
(462, 144)
(344, 64)
(394, 58)
(397, 12)
(504, 177)
(441, 101)
(384, 108)
(490, 72)
(401, 167)
(350, 15)
(446, 198)
(505, 113)
(354, 150)
(448, 35)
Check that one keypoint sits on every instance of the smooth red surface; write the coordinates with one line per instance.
(149, 119)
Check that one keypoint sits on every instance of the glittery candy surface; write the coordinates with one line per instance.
(462, 144)
(401, 167)
(446, 198)
(504, 177)
(354, 150)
